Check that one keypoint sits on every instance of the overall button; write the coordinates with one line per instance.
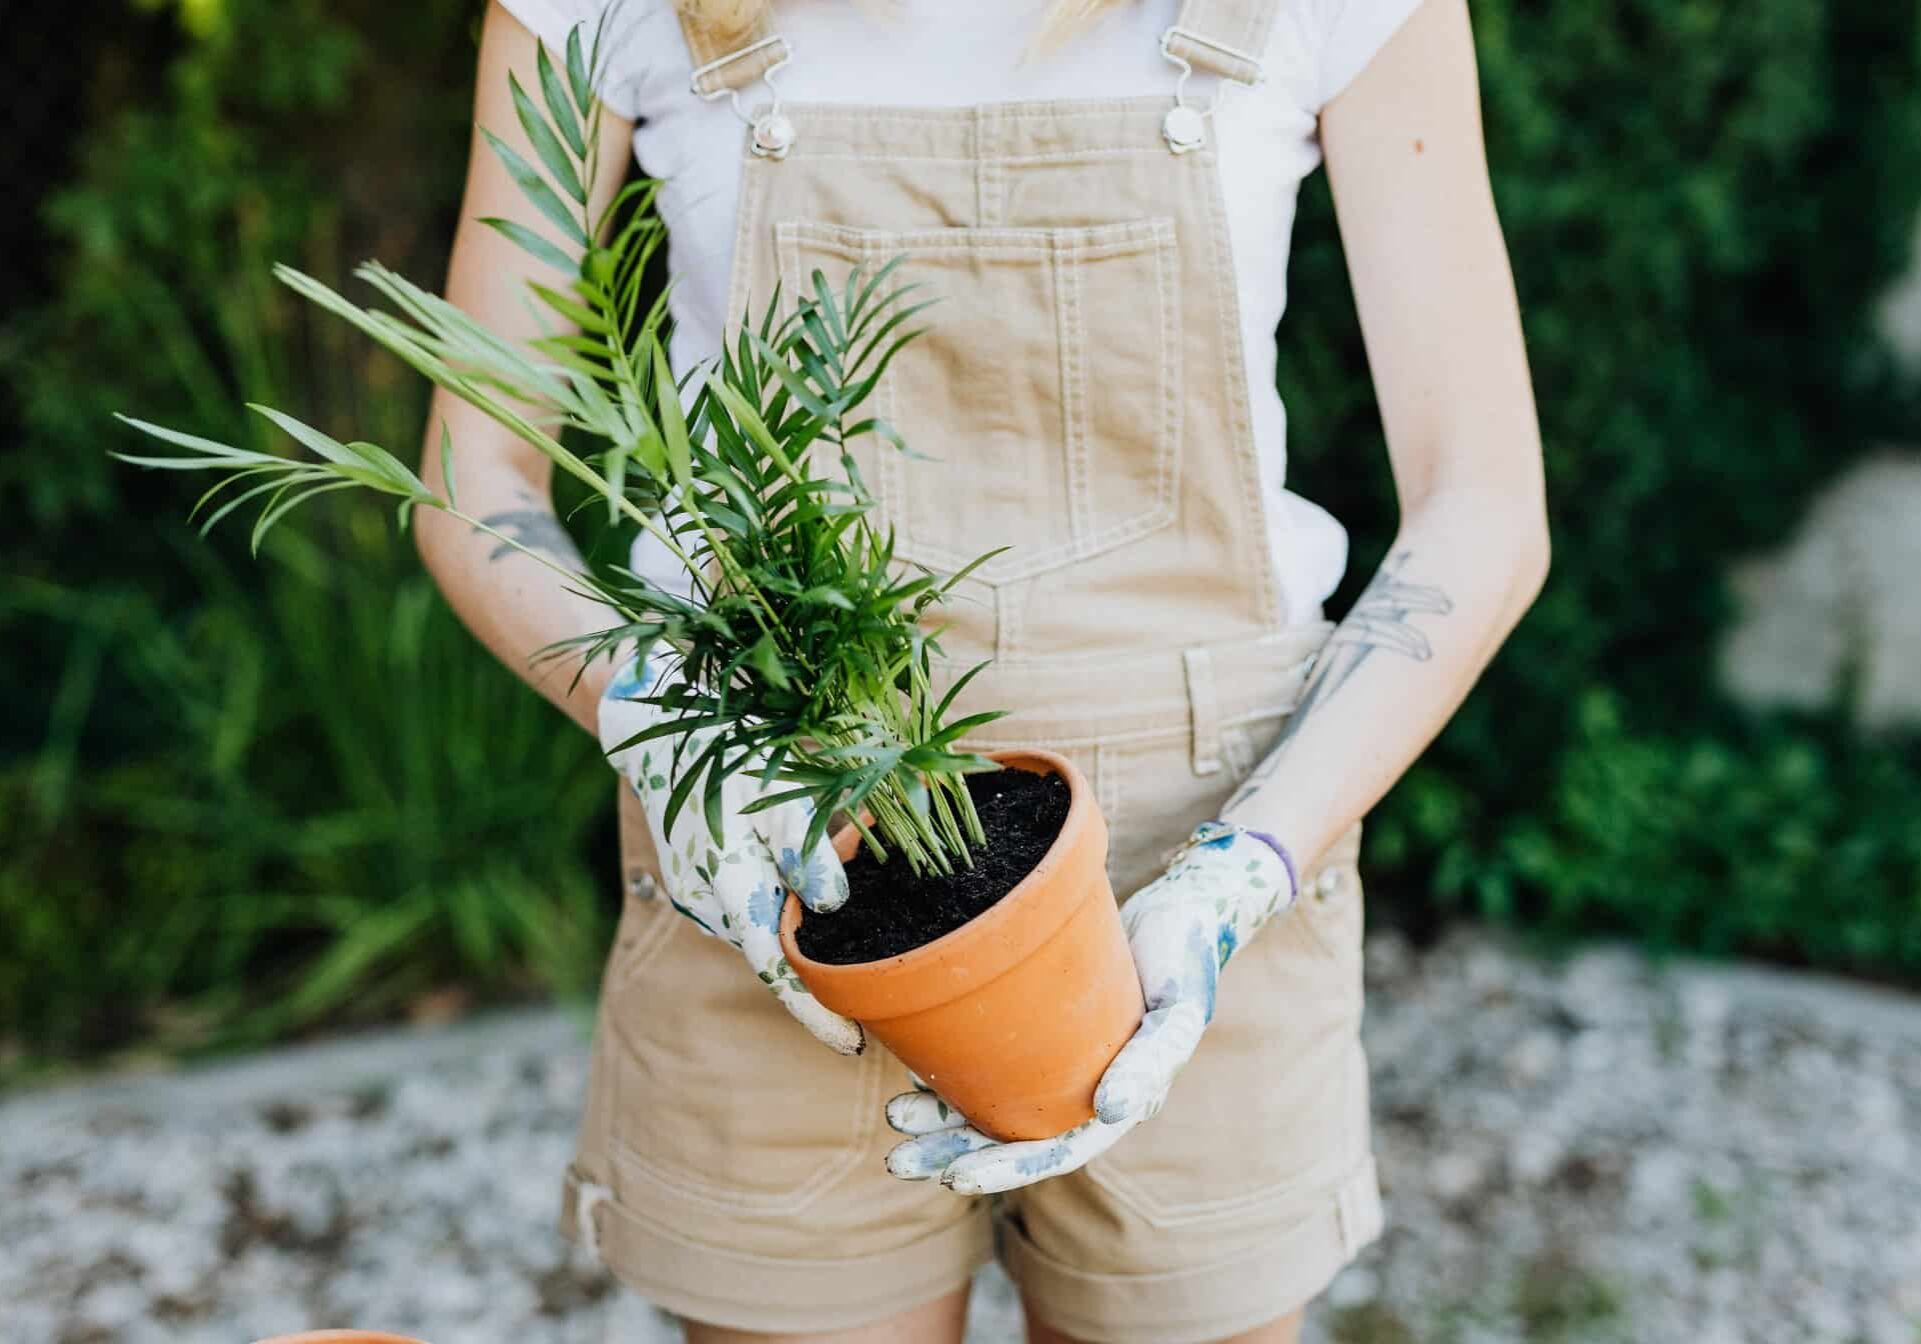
(1183, 129)
(773, 136)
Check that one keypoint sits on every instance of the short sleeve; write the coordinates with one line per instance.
(1352, 34)
(552, 21)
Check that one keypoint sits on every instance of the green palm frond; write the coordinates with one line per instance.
(806, 650)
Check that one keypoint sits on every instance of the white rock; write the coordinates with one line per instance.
(1900, 315)
(1534, 1056)
(1834, 610)
(1661, 1179)
(1454, 1176)
(1353, 1287)
(1535, 1156)
(1388, 958)
(1593, 1052)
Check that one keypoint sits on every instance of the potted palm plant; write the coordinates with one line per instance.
(807, 652)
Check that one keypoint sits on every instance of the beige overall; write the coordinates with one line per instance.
(1081, 395)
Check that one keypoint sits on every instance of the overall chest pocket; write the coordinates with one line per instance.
(1042, 400)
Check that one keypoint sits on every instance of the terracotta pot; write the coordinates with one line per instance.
(340, 1337)
(1012, 1017)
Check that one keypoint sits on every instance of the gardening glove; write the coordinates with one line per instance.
(1219, 888)
(731, 885)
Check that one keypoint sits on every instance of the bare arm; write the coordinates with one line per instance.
(514, 604)
(1436, 299)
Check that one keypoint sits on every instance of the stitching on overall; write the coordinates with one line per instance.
(1267, 615)
(751, 189)
(1153, 239)
(990, 174)
(1039, 561)
(1107, 784)
(1324, 914)
(614, 1049)
(1321, 1180)
(1010, 610)
(883, 478)
(1045, 156)
(1079, 109)
(1090, 155)
(1161, 723)
(1167, 717)
(1238, 748)
(1071, 324)
(1176, 732)
(787, 260)
(1173, 408)
(890, 486)
(1097, 241)
(1305, 640)
(643, 945)
(681, 1183)
(1084, 540)
(1203, 709)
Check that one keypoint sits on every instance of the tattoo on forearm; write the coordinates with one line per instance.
(1382, 618)
(536, 529)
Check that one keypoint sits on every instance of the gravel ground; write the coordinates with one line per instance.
(1589, 1150)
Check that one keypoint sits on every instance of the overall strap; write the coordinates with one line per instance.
(726, 63)
(1221, 37)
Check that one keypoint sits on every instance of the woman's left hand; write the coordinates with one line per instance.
(1219, 888)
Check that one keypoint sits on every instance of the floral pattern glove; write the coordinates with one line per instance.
(733, 885)
(1219, 888)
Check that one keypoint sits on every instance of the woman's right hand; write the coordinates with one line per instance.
(733, 885)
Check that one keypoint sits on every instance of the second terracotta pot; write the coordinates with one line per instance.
(340, 1337)
(1013, 1017)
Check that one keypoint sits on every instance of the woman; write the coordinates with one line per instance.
(1106, 217)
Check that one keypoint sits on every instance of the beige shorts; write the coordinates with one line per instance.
(731, 1169)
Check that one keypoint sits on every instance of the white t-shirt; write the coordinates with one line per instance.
(936, 53)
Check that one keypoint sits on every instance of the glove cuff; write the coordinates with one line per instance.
(1282, 853)
(1222, 834)
(620, 713)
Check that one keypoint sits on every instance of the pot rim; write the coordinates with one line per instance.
(991, 943)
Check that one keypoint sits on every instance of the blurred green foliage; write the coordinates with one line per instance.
(238, 799)
(1705, 203)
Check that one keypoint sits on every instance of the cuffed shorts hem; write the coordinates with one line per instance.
(719, 1286)
(1227, 1297)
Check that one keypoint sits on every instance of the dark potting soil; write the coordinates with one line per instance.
(889, 910)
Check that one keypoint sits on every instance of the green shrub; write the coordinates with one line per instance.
(1786, 840)
(343, 807)
(235, 800)
(1704, 204)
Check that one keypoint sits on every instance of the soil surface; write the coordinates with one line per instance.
(889, 910)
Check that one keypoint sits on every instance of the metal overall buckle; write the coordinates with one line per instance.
(1185, 125)
(773, 131)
